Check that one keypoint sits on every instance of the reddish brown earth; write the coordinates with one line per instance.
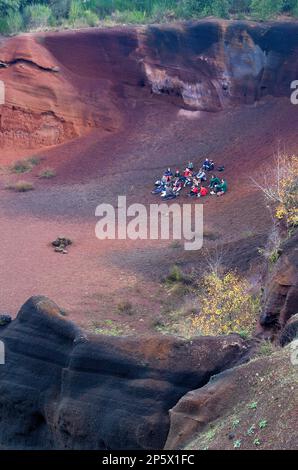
(83, 101)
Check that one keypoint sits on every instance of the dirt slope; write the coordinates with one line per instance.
(251, 407)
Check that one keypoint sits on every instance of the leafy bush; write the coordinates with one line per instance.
(226, 305)
(37, 16)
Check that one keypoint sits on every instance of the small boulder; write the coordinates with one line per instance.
(60, 244)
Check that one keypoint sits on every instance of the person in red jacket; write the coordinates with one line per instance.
(203, 192)
(194, 191)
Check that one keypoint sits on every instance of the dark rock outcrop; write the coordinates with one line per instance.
(61, 388)
(281, 290)
(290, 330)
(214, 64)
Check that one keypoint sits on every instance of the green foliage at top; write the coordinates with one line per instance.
(21, 15)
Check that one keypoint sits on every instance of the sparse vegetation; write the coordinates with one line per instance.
(251, 430)
(47, 173)
(266, 348)
(263, 424)
(235, 423)
(108, 328)
(125, 307)
(21, 186)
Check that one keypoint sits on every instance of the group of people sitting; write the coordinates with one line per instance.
(171, 184)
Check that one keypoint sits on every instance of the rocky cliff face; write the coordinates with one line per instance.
(63, 389)
(212, 65)
(281, 293)
(62, 85)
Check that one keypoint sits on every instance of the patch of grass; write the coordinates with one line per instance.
(24, 166)
(108, 328)
(47, 173)
(21, 186)
(210, 435)
(244, 334)
(266, 348)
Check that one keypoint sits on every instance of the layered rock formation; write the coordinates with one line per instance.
(212, 65)
(62, 85)
(61, 388)
(281, 292)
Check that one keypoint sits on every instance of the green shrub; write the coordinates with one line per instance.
(91, 18)
(37, 16)
(264, 9)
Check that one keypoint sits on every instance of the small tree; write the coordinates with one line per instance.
(226, 305)
(280, 187)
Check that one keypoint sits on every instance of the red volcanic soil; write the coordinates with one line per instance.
(116, 138)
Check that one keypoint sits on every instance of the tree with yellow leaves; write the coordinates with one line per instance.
(226, 305)
(280, 187)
